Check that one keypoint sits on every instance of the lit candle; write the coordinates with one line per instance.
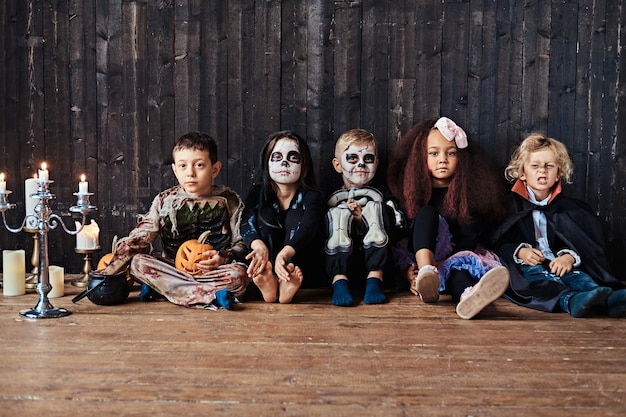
(57, 281)
(13, 272)
(83, 186)
(3, 184)
(88, 237)
(43, 173)
(30, 188)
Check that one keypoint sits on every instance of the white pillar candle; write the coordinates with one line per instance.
(3, 184)
(43, 173)
(30, 188)
(13, 272)
(56, 275)
(88, 237)
(83, 186)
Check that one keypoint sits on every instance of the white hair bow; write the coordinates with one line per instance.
(452, 132)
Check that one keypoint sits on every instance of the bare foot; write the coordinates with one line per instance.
(289, 288)
(267, 283)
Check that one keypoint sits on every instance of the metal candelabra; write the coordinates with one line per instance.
(42, 222)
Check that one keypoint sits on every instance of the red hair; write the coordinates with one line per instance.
(410, 181)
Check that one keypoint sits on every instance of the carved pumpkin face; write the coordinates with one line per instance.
(190, 253)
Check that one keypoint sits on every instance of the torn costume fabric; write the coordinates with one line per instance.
(176, 217)
(571, 225)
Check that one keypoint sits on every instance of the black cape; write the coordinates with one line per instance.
(571, 225)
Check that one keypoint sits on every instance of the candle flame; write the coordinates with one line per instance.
(1, 176)
(82, 178)
(43, 166)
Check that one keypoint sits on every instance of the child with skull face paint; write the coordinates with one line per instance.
(280, 223)
(360, 220)
(450, 196)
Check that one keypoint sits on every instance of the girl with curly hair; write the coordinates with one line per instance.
(449, 193)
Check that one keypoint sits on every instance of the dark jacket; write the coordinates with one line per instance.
(300, 226)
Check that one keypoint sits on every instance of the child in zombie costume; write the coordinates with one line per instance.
(553, 244)
(281, 219)
(361, 221)
(183, 213)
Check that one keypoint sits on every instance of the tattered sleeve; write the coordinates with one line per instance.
(139, 239)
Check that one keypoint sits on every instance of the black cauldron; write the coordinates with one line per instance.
(105, 290)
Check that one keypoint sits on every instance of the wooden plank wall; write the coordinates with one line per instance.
(104, 87)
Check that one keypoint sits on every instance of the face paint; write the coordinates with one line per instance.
(358, 165)
(284, 163)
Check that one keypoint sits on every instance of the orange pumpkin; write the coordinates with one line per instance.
(191, 252)
(106, 260)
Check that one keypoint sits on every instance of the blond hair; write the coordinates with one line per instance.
(353, 136)
(536, 142)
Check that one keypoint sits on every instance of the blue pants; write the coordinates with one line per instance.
(577, 281)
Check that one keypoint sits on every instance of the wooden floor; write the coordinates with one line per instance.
(308, 358)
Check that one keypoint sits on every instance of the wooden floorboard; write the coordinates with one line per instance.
(307, 358)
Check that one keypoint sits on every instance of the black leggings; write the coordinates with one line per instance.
(424, 230)
(457, 282)
(424, 236)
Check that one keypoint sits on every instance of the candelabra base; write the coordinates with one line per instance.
(52, 313)
(43, 309)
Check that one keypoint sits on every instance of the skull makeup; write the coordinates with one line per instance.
(284, 163)
(358, 165)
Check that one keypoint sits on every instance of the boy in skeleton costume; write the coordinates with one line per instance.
(359, 219)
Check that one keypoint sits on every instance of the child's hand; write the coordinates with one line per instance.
(212, 260)
(280, 266)
(355, 208)
(562, 264)
(531, 256)
(259, 258)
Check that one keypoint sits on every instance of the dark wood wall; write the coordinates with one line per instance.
(105, 86)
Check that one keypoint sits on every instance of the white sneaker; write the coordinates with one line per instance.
(490, 287)
(427, 284)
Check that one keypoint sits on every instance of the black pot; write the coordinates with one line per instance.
(105, 290)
